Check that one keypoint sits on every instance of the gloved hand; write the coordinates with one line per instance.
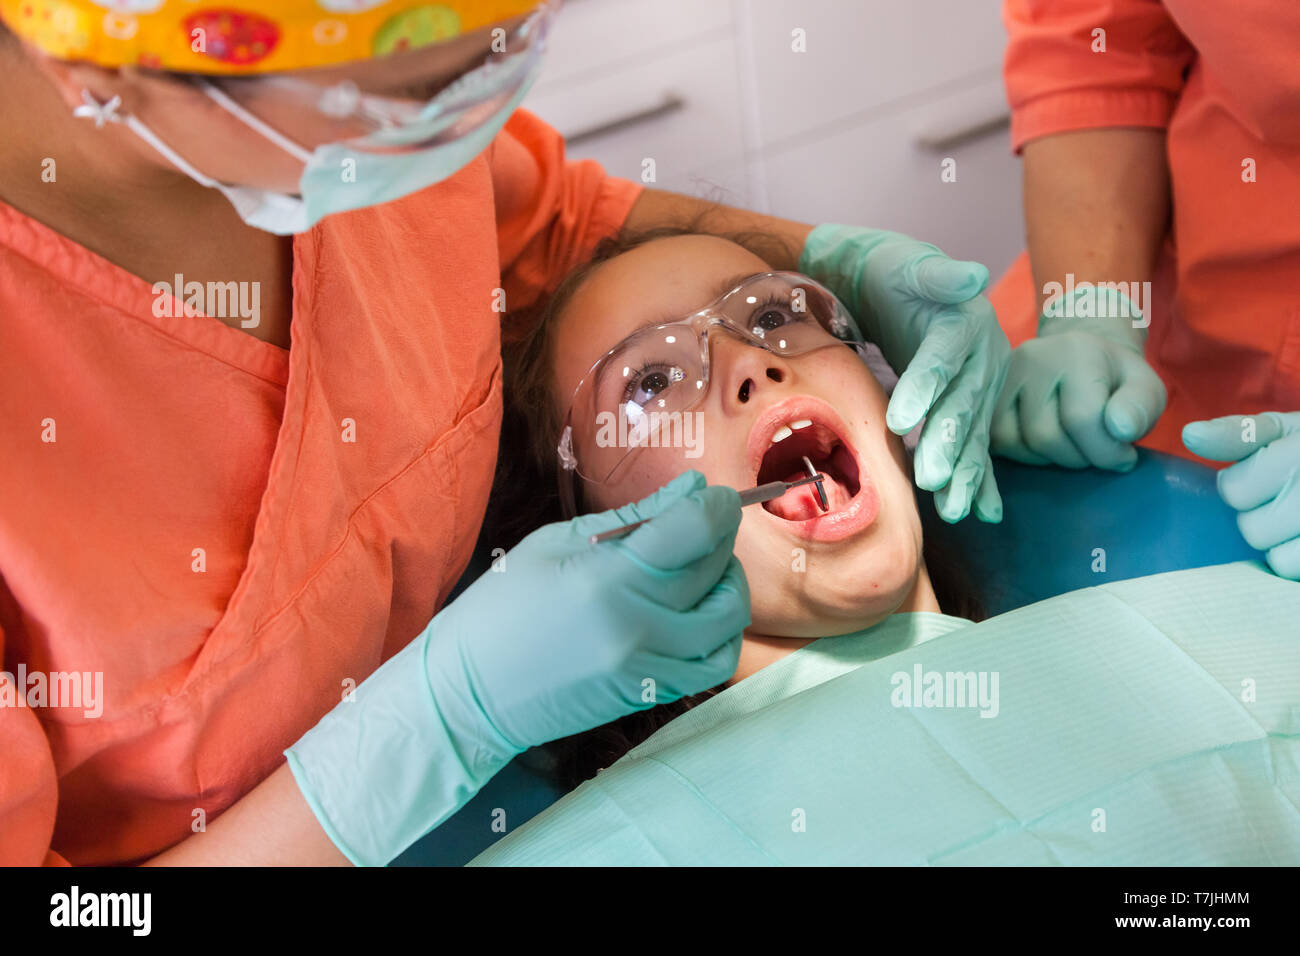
(1265, 486)
(567, 636)
(1081, 392)
(927, 316)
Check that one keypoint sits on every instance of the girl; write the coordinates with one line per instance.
(812, 574)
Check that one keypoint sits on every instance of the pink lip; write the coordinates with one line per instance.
(834, 526)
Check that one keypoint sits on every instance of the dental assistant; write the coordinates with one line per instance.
(248, 520)
(1161, 145)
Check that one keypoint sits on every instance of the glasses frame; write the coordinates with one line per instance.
(841, 326)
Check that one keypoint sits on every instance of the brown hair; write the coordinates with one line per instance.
(525, 493)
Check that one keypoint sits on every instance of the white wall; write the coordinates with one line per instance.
(853, 130)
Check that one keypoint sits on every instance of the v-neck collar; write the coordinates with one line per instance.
(79, 269)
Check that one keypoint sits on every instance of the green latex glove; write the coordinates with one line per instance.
(1080, 393)
(925, 313)
(566, 636)
(1264, 485)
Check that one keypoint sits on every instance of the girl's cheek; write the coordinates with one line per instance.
(654, 471)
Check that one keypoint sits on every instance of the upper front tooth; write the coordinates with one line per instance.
(802, 423)
(782, 434)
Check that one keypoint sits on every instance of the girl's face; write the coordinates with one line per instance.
(811, 574)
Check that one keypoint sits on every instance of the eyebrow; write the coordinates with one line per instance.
(728, 284)
(422, 91)
(717, 292)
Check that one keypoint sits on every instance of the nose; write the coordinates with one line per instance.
(741, 371)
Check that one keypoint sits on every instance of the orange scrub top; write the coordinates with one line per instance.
(232, 534)
(1223, 80)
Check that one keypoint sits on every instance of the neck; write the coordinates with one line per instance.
(110, 193)
(64, 171)
(759, 650)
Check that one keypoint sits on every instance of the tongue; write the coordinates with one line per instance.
(800, 504)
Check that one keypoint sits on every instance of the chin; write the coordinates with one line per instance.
(842, 589)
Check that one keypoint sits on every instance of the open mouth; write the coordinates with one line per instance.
(805, 426)
(783, 461)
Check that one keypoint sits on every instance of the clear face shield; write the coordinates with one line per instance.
(638, 393)
(356, 107)
(358, 145)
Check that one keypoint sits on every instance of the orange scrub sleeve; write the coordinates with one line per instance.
(1059, 79)
(1056, 82)
(550, 213)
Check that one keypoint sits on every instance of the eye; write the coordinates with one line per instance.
(775, 313)
(649, 384)
(770, 319)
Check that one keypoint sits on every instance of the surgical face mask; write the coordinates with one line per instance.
(647, 383)
(405, 146)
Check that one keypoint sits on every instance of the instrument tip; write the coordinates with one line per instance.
(821, 491)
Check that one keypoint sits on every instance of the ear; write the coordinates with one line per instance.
(70, 77)
(142, 91)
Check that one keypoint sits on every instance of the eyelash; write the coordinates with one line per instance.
(634, 381)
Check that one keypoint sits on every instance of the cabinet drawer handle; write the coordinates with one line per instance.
(960, 119)
(669, 103)
(946, 139)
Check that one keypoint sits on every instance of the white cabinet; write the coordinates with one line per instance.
(862, 57)
(694, 90)
(594, 38)
(719, 95)
(877, 174)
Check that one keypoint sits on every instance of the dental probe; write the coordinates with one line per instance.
(821, 492)
(750, 496)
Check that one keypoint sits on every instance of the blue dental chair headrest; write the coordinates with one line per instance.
(1063, 530)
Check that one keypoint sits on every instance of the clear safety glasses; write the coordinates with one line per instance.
(313, 111)
(636, 394)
